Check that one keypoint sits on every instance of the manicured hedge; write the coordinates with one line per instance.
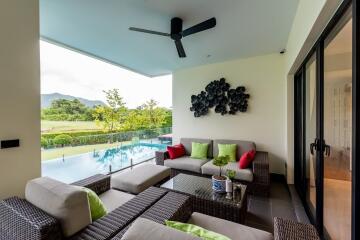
(72, 134)
(90, 138)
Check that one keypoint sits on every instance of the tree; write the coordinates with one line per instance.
(168, 118)
(154, 116)
(113, 116)
(63, 139)
(134, 121)
(67, 110)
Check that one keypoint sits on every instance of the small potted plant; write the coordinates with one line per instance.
(218, 181)
(230, 174)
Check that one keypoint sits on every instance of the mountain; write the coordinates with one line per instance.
(46, 100)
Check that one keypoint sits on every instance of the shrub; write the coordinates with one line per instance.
(230, 174)
(44, 142)
(63, 140)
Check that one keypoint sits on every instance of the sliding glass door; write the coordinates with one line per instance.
(338, 129)
(325, 132)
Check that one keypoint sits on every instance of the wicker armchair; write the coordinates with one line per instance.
(22, 220)
(260, 166)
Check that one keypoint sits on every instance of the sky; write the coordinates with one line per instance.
(68, 72)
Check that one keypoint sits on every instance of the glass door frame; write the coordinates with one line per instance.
(299, 122)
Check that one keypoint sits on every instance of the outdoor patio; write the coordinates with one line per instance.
(169, 120)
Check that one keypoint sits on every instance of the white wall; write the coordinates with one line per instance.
(264, 122)
(19, 94)
(311, 18)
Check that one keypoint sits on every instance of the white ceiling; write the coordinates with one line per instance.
(100, 28)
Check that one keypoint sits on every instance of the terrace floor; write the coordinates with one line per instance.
(262, 210)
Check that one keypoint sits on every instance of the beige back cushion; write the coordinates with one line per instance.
(69, 204)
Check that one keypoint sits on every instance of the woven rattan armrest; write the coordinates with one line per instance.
(261, 173)
(160, 157)
(287, 229)
(99, 183)
(19, 220)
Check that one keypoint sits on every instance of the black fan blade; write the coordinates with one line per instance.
(180, 49)
(210, 23)
(149, 31)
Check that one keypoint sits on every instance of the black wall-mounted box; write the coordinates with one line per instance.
(10, 143)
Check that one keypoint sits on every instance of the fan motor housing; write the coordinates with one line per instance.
(176, 28)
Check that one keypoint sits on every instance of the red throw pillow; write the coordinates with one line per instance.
(176, 151)
(246, 159)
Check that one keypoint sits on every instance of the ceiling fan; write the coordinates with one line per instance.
(177, 33)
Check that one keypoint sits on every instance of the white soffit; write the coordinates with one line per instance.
(244, 28)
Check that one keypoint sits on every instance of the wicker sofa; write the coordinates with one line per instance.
(257, 176)
(20, 220)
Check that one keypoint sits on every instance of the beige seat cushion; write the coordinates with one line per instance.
(186, 163)
(241, 174)
(144, 229)
(232, 230)
(69, 204)
(139, 178)
(113, 199)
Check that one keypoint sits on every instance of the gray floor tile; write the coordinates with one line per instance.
(261, 211)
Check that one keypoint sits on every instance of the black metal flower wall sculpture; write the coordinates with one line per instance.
(218, 94)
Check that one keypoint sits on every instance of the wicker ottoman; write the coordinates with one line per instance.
(139, 179)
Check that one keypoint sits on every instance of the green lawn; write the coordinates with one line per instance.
(68, 151)
(67, 126)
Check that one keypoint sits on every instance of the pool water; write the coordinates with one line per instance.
(77, 167)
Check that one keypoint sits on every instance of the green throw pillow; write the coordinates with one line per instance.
(229, 150)
(97, 207)
(199, 150)
(196, 231)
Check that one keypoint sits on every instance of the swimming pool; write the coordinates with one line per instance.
(77, 167)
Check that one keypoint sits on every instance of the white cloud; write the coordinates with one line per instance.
(68, 72)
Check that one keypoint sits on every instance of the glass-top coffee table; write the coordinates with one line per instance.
(206, 201)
